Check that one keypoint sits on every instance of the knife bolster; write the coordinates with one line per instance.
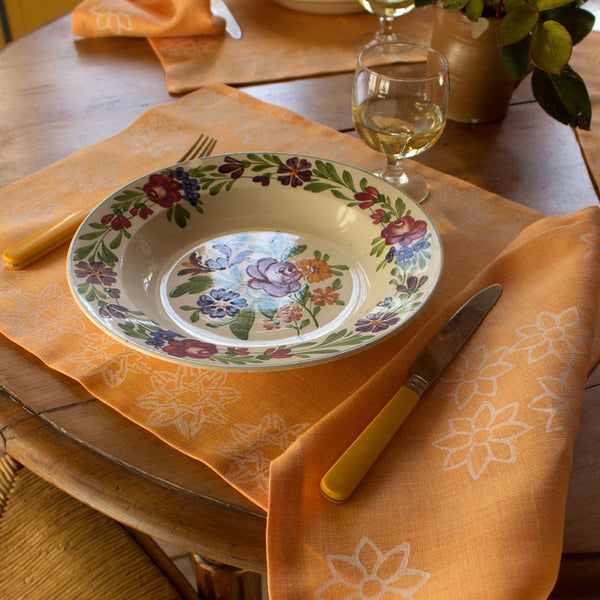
(417, 384)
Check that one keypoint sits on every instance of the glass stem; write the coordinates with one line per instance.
(385, 32)
(395, 170)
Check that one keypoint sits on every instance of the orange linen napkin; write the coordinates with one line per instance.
(277, 43)
(447, 511)
(145, 18)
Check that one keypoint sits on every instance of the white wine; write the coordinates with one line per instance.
(388, 8)
(400, 126)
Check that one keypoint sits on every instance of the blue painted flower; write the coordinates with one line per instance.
(404, 253)
(421, 245)
(189, 185)
(160, 337)
(221, 303)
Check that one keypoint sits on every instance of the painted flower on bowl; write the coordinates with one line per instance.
(189, 348)
(220, 303)
(276, 278)
(404, 231)
(163, 189)
(295, 172)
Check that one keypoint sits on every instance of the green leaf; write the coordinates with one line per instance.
(517, 24)
(241, 325)
(400, 206)
(268, 307)
(293, 251)
(548, 4)
(194, 285)
(92, 235)
(317, 186)
(116, 241)
(348, 180)
(515, 59)
(564, 98)
(82, 252)
(455, 4)
(181, 215)
(474, 9)
(577, 21)
(551, 46)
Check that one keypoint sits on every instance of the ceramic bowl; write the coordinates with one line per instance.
(254, 261)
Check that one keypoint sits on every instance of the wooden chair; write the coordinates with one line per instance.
(53, 546)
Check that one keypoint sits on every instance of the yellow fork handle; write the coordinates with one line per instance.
(344, 476)
(40, 243)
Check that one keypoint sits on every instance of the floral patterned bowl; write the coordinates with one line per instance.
(254, 261)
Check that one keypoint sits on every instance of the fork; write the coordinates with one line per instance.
(42, 242)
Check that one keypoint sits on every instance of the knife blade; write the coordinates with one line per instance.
(232, 27)
(348, 471)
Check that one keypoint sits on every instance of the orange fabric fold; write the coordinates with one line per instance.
(468, 500)
(277, 43)
(145, 18)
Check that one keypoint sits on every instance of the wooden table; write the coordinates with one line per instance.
(60, 95)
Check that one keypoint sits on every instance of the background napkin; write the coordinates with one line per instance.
(145, 18)
(446, 512)
(277, 43)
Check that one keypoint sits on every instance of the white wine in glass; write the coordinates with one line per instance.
(399, 107)
(387, 11)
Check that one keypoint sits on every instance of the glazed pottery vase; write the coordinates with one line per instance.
(480, 89)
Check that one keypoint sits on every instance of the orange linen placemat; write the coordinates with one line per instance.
(277, 43)
(468, 500)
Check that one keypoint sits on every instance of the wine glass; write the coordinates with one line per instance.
(387, 11)
(399, 106)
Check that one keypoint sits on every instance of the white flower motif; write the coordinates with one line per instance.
(472, 375)
(561, 400)
(487, 437)
(44, 314)
(101, 173)
(255, 446)
(114, 20)
(561, 335)
(371, 574)
(592, 240)
(97, 354)
(186, 400)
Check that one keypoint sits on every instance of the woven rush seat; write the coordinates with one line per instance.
(54, 547)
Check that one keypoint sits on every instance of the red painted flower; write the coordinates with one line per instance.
(143, 211)
(404, 231)
(163, 189)
(117, 222)
(278, 353)
(368, 197)
(189, 348)
(378, 216)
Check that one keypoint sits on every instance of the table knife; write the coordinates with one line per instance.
(232, 27)
(344, 476)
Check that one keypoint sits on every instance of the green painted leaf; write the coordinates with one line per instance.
(194, 285)
(348, 180)
(551, 47)
(564, 98)
(268, 307)
(517, 24)
(241, 325)
(293, 251)
(318, 186)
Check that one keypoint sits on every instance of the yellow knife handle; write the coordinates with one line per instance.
(344, 476)
(40, 243)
